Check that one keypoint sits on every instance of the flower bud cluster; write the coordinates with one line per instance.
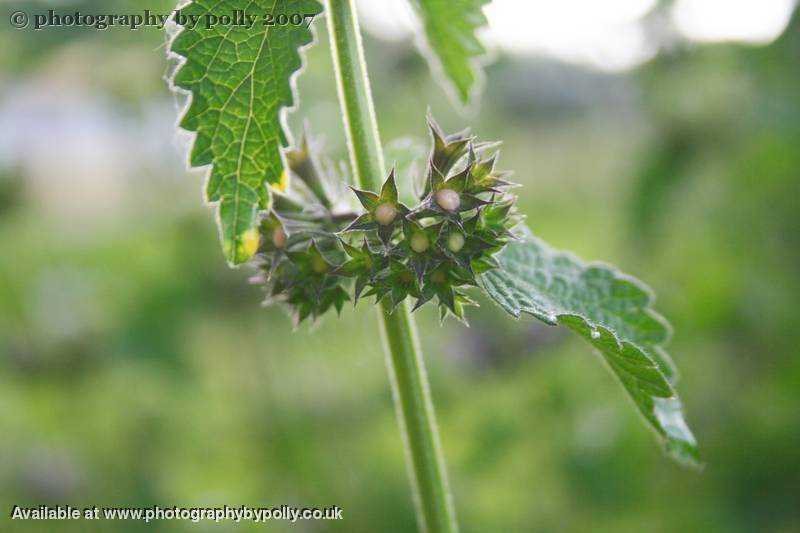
(315, 258)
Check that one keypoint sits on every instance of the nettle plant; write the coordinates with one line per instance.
(317, 245)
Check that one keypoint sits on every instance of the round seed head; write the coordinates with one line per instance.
(279, 237)
(419, 242)
(455, 241)
(385, 214)
(448, 199)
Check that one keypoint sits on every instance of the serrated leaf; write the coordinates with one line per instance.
(240, 82)
(609, 309)
(449, 27)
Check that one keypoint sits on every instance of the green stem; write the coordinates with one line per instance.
(404, 360)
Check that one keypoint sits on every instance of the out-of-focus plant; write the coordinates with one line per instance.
(283, 209)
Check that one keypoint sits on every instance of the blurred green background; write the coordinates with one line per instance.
(137, 369)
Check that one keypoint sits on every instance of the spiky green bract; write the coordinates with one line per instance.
(384, 212)
(314, 259)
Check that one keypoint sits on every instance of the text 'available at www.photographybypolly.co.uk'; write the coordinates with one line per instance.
(194, 514)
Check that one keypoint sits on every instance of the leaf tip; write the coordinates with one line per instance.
(241, 248)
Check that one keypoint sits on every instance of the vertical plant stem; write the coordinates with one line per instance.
(404, 360)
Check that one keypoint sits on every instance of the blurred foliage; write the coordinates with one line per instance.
(137, 369)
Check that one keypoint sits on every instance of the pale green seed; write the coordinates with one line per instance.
(448, 199)
(419, 242)
(385, 214)
(455, 242)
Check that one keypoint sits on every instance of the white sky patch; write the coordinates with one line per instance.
(606, 35)
(755, 21)
(602, 34)
(390, 20)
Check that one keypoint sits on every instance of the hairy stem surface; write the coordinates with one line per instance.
(404, 360)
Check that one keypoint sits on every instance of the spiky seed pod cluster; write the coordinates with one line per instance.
(314, 256)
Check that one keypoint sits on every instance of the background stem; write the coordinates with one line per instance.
(404, 360)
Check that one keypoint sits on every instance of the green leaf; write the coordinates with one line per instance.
(609, 309)
(449, 27)
(240, 82)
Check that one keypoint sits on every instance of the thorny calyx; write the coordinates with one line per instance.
(313, 255)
